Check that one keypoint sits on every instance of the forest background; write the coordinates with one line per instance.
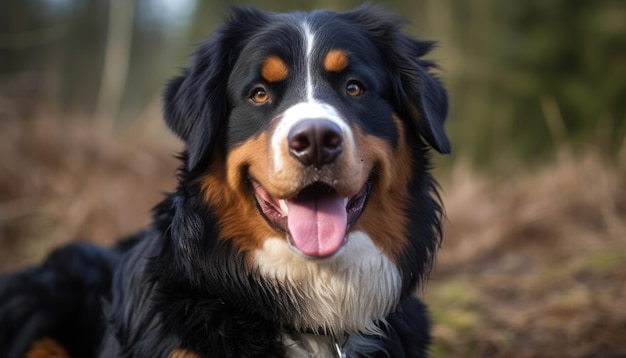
(534, 258)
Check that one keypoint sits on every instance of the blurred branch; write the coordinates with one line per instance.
(621, 156)
(116, 61)
(556, 126)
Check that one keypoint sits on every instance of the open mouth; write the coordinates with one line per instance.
(316, 219)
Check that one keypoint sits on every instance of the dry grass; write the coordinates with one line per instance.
(532, 266)
(66, 181)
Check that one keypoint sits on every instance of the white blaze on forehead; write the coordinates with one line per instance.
(309, 40)
(303, 111)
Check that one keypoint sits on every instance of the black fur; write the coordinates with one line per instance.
(181, 287)
(62, 298)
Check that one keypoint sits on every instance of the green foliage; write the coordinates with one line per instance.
(517, 70)
(572, 53)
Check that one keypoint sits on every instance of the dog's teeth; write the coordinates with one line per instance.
(283, 206)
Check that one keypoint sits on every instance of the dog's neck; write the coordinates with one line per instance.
(305, 345)
(312, 345)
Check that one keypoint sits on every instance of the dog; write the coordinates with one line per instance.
(304, 218)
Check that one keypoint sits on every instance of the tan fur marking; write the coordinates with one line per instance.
(47, 348)
(384, 218)
(336, 61)
(182, 353)
(232, 201)
(274, 69)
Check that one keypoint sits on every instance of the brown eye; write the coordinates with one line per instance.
(260, 96)
(354, 89)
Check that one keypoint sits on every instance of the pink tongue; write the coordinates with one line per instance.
(317, 227)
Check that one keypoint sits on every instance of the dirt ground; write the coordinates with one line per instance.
(531, 266)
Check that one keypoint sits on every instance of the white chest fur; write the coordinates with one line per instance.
(348, 292)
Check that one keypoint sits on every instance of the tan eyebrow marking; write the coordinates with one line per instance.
(336, 61)
(274, 69)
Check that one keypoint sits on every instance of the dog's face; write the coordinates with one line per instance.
(307, 134)
(306, 127)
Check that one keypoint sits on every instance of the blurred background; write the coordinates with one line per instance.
(534, 258)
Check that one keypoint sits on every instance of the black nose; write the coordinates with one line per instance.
(315, 141)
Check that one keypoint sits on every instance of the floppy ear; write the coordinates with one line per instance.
(427, 98)
(195, 104)
(191, 117)
(421, 96)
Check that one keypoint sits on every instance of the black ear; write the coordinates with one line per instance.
(420, 96)
(195, 104)
(191, 117)
(427, 98)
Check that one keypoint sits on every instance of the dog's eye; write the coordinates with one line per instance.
(260, 96)
(354, 89)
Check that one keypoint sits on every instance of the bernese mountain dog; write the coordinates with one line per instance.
(304, 218)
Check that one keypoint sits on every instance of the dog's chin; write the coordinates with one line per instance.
(316, 220)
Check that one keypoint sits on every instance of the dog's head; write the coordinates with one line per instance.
(308, 134)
